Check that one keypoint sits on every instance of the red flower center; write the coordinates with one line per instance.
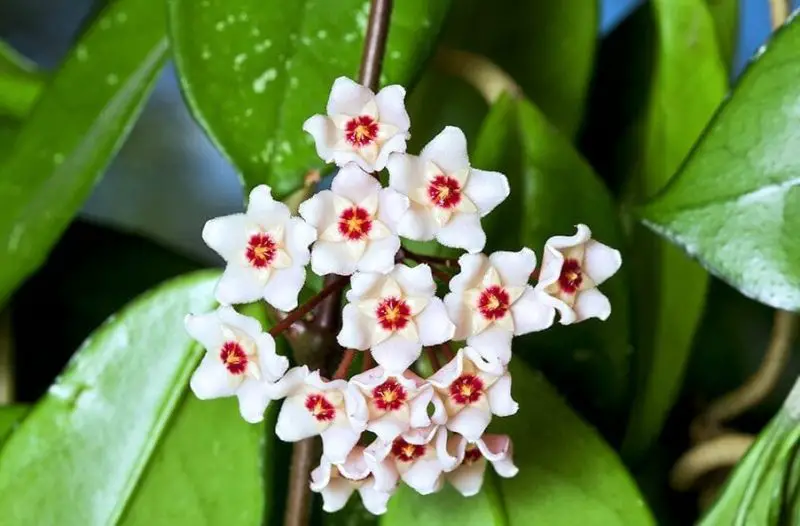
(260, 250)
(571, 276)
(466, 389)
(320, 408)
(233, 357)
(444, 191)
(355, 223)
(472, 454)
(405, 452)
(493, 302)
(393, 314)
(361, 131)
(389, 396)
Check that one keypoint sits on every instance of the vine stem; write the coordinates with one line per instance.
(331, 286)
(477, 71)
(779, 12)
(328, 312)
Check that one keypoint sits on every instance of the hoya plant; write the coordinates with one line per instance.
(492, 266)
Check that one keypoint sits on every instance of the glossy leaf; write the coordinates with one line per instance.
(725, 14)
(688, 83)
(553, 189)
(20, 83)
(75, 130)
(567, 474)
(253, 71)
(547, 47)
(95, 430)
(763, 487)
(10, 415)
(735, 205)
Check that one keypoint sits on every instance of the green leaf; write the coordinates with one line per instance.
(20, 83)
(688, 83)
(567, 474)
(97, 427)
(763, 487)
(735, 205)
(254, 70)
(726, 23)
(10, 415)
(547, 47)
(74, 131)
(553, 189)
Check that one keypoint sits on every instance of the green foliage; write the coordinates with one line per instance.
(533, 41)
(726, 23)
(687, 84)
(10, 415)
(254, 71)
(69, 138)
(568, 475)
(735, 205)
(20, 83)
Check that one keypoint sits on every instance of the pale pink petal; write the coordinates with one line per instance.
(239, 284)
(472, 266)
(582, 235)
(498, 450)
(354, 184)
(514, 267)
(290, 383)
(355, 406)
(591, 304)
(284, 286)
(273, 366)
(418, 407)
(355, 333)
(321, 475)
(318, 210)
(600, 261)
(355, 467)
(500, 400)
(390, 425)
(530, 314)
(295, 422)
(324, 132)
(552, 262)
(392, 207)
(434, 324)
(392, 107)
(442, 378)
(379, 255)
(250, 326)
(415, 281)
(486, 189)
(405, 173)
(493, 343)
(463, 231)
(206, 329)
(264, 210)
(384, 472)
(348, 98)
(212, 380)
(374, 501)
(448, 150)
(458, 312)
(425, 476)
(471, 421)
(364, 283)
(253, 400)
(299, 235)
(417, 223)
(228, 235)
(337, 441)
(396, 144)
(329, 257)
(468, 478)
(336, 494)
(566, 314)
(396, 353)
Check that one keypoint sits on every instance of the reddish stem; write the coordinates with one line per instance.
(367, 362)
(331, 286)
(447, 351)
(434, 359)
(344, 365)
(431, 260)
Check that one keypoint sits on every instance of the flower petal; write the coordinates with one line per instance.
(206, 329)
(591, 304)
(336, 494)
(318, 210)
(374, 501)
(338, 440)
(228, 235)
(417, 223)
(239, 284)
(405, 173)
(463, 231)
(354, 184)
(253, 401)
(392, 206)
(328, 257)
(396, 144)
(448, 150)
(348, 98)
(356, 331)
(212, 380)
(396, 354)
(379, 255)
(324, 132)
(284, 286)
(468, 478)
(471, 421)
(515, 268)
(530, 314)
(434, 324)
(392, 107)
(250, 326)
(500, 400)
(424, 475)
(493, 343)
(486, 189)
(601, 261)
(415, 281)
(265, 210)
(295, 422)
(498, 450)
(272, 365)
(299, 235)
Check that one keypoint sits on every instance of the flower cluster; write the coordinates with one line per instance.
(425, 430)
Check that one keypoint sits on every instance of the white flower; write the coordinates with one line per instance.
(420, 457)
(490, 301)
(396, 403)
(395, 315)
(355, 221)
(334, 410)
(473, 390)
(448, 197)
(572, 268)
(375, 481)
(467, 477)
(240, 360)
(361, 127)
(266, 250)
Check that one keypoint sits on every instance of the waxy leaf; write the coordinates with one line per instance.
(725, 14)
(735, 205)
(567, 474)
(20, 83)
(10, 415)
(533, 41)
(95, 430)
(74, 130)
(688, 82)
(253, 71)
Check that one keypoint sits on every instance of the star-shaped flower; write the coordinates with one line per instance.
(397, 403)
(361, 127)
(375, 482)
(467, 477)
(420, 457)
(332, 409)
(448, 197)
(490, 301)
(266, 250)
(473, 390)
(240, 360)
(394, 315)
(572, 268)
(355, 222)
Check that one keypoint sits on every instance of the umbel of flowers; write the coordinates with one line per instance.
(425, 431)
